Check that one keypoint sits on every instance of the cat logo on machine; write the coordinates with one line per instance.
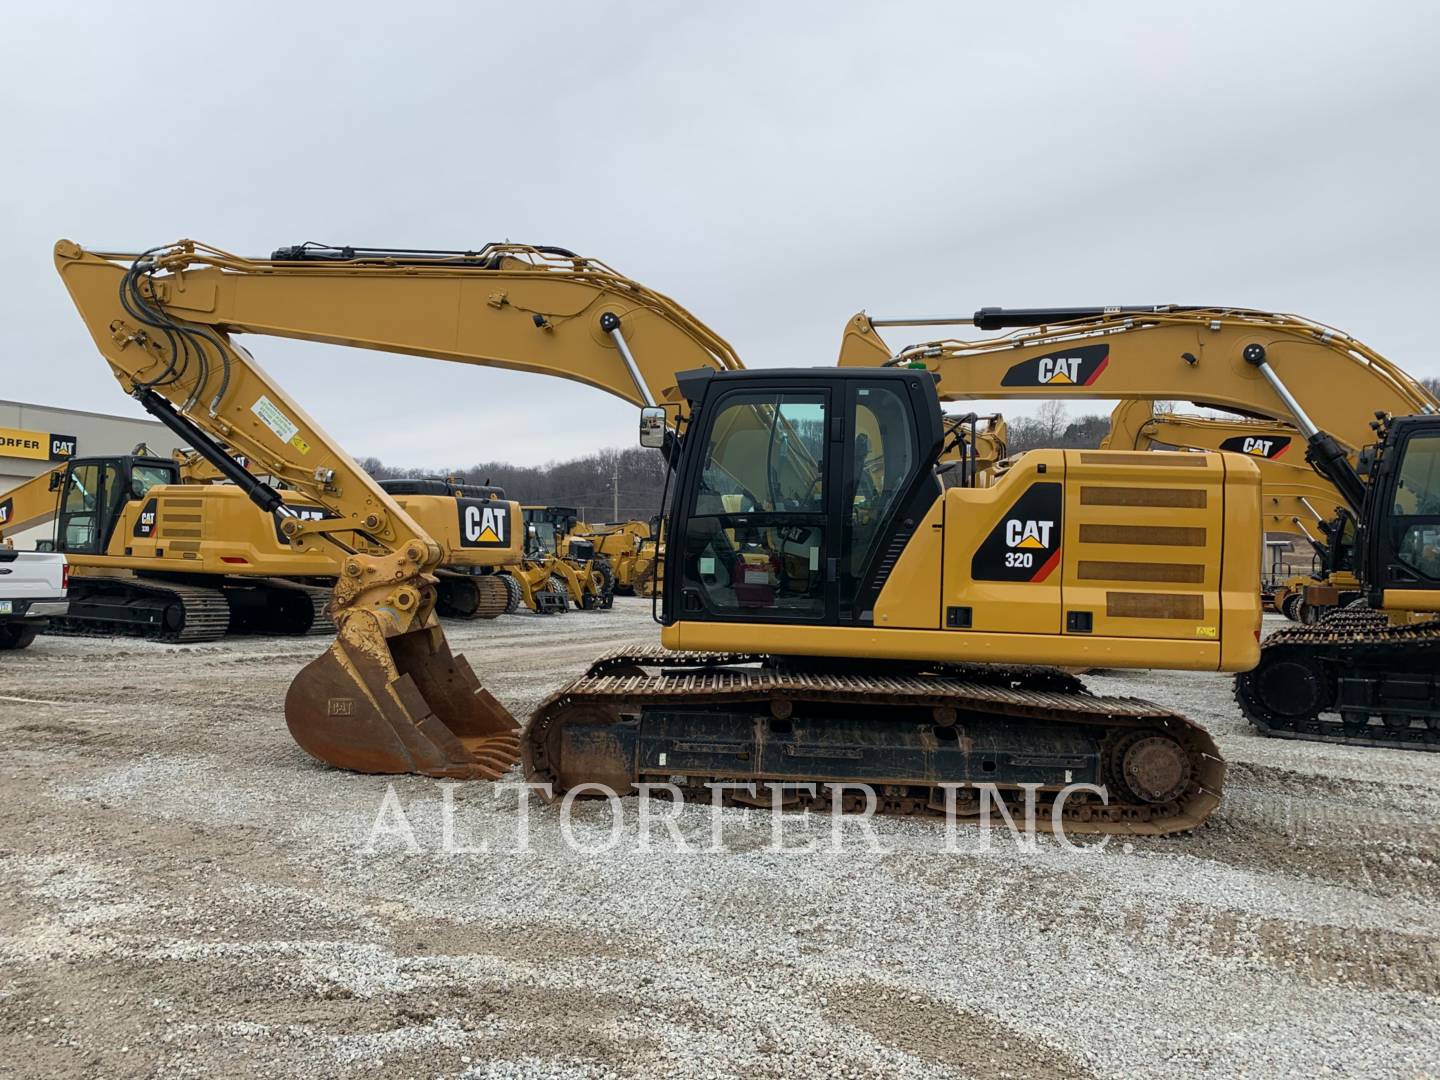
(304, 513)
(7, 507)
(1034, 535)
(1079, 365)
(1269, 447)
(1025, 546)
(145, 523)
(484, 523)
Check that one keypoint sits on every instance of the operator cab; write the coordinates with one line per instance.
(800, 492)
(93, 493)
(547, 526)
(1403, 513)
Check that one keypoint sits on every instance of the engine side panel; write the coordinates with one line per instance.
(1075, 557)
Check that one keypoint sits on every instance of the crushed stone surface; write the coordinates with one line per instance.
(186, 893)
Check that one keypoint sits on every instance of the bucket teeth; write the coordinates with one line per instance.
(423, 711)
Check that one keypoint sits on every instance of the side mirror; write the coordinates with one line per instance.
(57, 478)
(652, 427)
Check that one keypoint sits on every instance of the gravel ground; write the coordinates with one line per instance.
(186, 893)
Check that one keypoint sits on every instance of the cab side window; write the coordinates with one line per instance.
(882, 456)
(144, 477)
(1416, 521)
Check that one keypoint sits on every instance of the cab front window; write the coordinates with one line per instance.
(1416, 509)
(757, 521)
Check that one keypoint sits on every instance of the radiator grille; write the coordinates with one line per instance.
(1127, 605)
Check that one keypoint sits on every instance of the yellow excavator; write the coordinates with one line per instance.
(833, 613)
(531, 578)
(169, 548)
(1354, 677)
(1297, 499)
(1165, 353)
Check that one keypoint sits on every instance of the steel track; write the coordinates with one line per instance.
(618, 688)
(1328, 682)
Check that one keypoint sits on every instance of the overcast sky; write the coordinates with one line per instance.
(773, 167)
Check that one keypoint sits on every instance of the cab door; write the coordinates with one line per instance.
(1403, 530)
(86, 515)
(759, 531)
(883, 492)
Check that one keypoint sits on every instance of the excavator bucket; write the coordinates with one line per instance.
(400, 704)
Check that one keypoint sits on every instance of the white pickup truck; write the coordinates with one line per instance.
(33, 587)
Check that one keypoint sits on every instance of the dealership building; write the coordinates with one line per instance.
(35, 438)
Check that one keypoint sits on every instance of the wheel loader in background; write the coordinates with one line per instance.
(632, 548)
(587, 576)
(1355, 677)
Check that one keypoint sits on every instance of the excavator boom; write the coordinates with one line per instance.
(388, 696)
(30, 504)
(1188, 354)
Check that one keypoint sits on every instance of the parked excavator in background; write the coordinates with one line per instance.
(152, 556)
(1353, 677)
(482, 533)
(169, 548)
(975, 446)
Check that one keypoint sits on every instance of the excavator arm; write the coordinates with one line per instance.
(29, 505)
(388, 696)
(1210, 356)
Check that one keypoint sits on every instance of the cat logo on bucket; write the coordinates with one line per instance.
(1079, 365)
(1025, 545)
(484, 523)
(1269, 447)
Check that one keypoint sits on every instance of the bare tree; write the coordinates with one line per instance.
(1050, 420)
